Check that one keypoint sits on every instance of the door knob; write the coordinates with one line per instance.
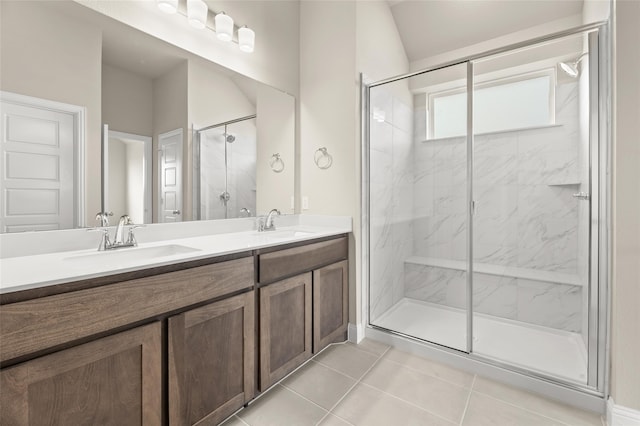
(176, 212)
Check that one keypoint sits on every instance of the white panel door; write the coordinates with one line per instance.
(37, 169)
(170, 174)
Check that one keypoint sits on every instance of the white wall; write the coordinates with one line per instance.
(275, 59)
(50, 45)
(363, 38)
(276, 135)
(127, 101)
(625, 339)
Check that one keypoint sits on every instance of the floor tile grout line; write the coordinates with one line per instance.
(432, 375)
(329, 367)
(523, 408)
(466, 406)
(413, 404)
(240, 420)
(303, 397)
(357, 381)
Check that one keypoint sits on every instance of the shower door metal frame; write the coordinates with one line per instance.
(195, 137)
(599, 236)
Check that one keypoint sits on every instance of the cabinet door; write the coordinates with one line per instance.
(115, 380)
(330, 304)
(285, 327)
(211, 361)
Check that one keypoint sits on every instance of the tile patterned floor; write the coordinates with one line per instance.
(372, 384)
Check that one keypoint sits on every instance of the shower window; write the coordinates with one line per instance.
(515, 102)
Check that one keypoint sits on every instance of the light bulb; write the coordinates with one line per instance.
(168, 6)
(246, 39)
(197, 13)
(224, 27)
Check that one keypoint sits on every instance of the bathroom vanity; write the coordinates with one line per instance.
(178, 343)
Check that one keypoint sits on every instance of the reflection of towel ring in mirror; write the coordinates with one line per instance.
(322, 158)
(276, 163)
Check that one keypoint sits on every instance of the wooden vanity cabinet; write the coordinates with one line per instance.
(303, 304)
(285, 327)
(115, 380)
(211, 361)
(330, 304)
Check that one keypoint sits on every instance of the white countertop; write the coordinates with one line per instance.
(33, 271)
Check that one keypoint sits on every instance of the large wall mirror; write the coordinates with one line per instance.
(101, 117)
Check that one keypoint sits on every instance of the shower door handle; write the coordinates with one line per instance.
(582, 196)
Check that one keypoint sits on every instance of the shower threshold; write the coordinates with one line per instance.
(540, 349)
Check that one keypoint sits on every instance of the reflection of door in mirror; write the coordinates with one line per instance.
(226, 160)
(39, 188)
(170, 172)
(128, 175)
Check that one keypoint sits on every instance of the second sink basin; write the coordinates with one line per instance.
(129, 255)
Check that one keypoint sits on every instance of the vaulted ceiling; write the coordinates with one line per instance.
(432, 27)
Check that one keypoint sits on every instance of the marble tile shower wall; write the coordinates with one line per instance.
(391, 200)
(240, 182)
(525, 217)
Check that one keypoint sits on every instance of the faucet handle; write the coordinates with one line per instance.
(131, 239)
(104, 240)
(103, 218)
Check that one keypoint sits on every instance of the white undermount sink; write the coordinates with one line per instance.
(129, 255)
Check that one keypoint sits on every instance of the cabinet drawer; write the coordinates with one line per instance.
(34, 325)
(288, 262)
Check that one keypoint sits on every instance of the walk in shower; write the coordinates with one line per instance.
(224, 179)
(485, 182)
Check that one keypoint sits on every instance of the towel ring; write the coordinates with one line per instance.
(322, 158)
(276, 163)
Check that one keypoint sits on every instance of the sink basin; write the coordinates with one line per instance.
(130, 255)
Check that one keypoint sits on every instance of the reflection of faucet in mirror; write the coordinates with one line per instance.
(246, 210)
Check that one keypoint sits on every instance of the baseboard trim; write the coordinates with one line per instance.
(355, 333)
(617, 415)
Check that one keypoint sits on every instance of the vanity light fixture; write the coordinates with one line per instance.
(224, 27)
(246, 39)
(197, 13)
(168, 6)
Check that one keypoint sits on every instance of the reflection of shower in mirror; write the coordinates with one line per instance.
(226, 163)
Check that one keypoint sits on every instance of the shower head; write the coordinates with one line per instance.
(571, 68)
(229, 138)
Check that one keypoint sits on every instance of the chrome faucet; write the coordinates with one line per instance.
(119, 241)
(269, 224)
(119, 238)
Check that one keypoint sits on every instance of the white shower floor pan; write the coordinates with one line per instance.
(540, 349)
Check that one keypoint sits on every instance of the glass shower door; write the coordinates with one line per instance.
(418, 207)
(531, 221)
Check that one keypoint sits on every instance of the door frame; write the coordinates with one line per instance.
(79, 114)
